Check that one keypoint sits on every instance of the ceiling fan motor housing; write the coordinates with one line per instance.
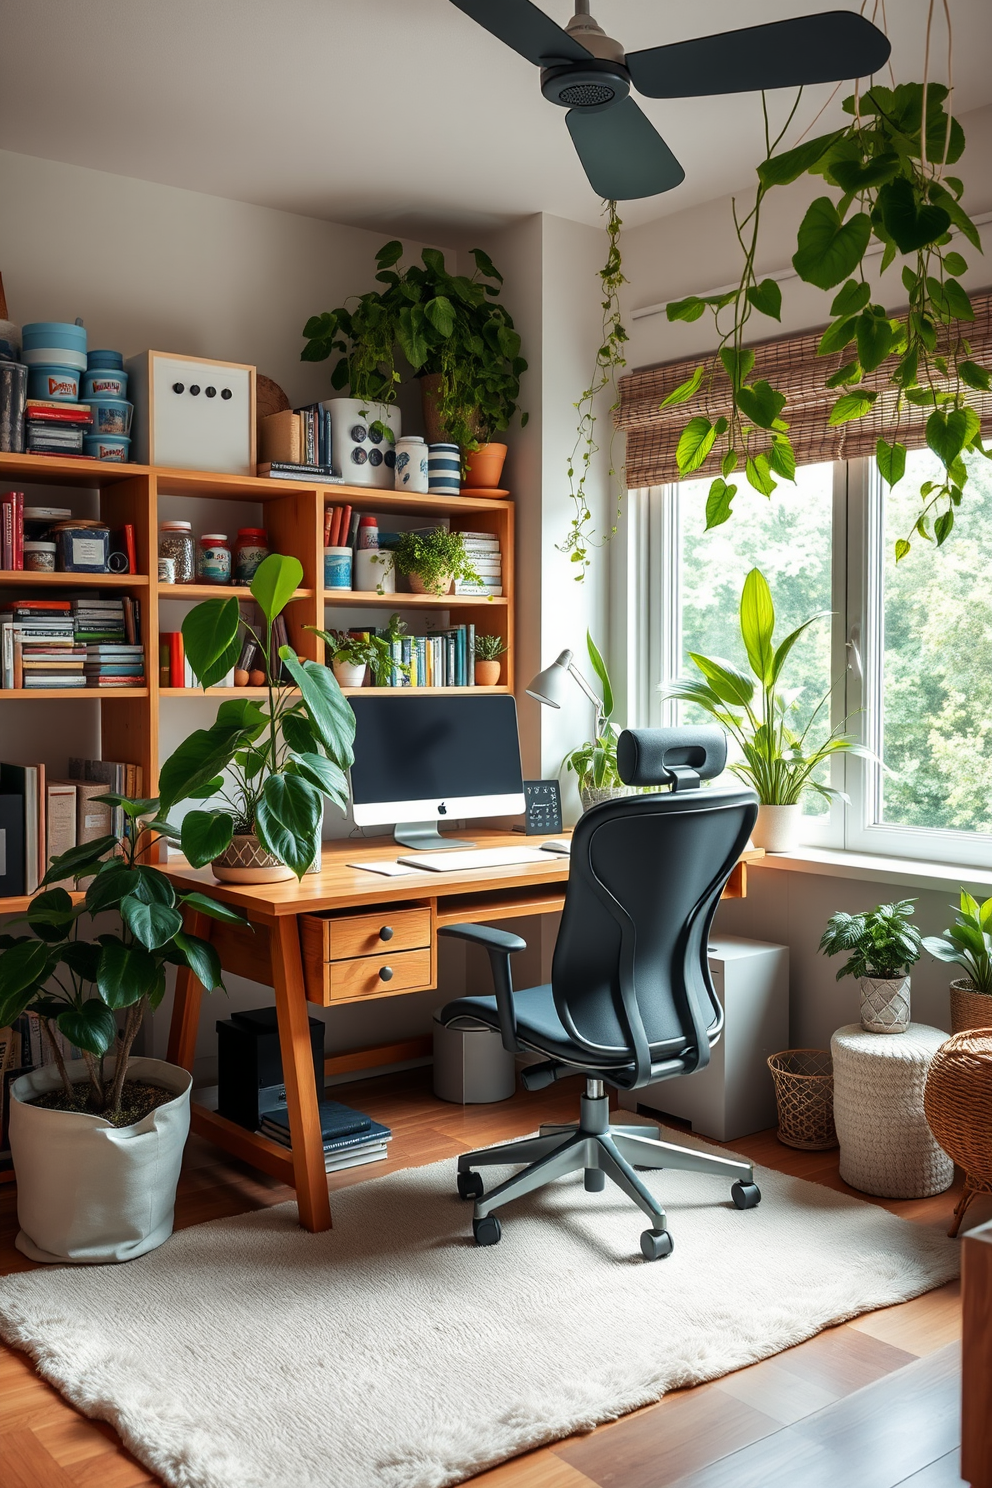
(592, 86)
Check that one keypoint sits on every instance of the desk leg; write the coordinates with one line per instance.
(186, 1008)
(297, 1070)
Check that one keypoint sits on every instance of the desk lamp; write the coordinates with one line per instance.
(549, 686)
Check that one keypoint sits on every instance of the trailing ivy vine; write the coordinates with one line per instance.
(889, 165)
(610, 359)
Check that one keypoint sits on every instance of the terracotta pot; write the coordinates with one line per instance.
(969, 1009)
(777, 828)
(885, 1004)
(484, 466)
(442, 586)
(487, 673)
(348, 673)
(246, 861)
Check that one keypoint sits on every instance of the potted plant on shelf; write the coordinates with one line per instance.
(433, 560)
(595, 762)
(882, 946)
(968, 943)
(350, 655)
(284, 760)
(777, 759)
(488, 650)
(97, 1140)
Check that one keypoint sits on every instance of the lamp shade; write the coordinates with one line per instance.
(549, 686)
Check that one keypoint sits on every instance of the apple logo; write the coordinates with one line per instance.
(442, 810)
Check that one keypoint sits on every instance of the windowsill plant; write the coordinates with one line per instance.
(433, 560)
(882, 945)
(777, 760)
(968, 944)
(488, 650)
(284, 760)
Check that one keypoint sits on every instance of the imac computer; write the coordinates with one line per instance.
(424, 760)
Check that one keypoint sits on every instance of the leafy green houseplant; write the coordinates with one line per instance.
(488, 650)
(82, 1196)
(777, 760)
(285, 758)
(968, 944)
(433, 559)
(350, 655)
(881, 945)
(594, 763)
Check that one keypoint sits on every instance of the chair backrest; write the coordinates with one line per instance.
(630, 975)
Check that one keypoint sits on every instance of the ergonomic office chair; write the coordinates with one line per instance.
(631, 1000)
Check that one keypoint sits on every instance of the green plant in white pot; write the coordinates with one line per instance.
(284, 759)
(350, 655)
(968, 944)
(777, 759)
(97, 1141)
(881, 946)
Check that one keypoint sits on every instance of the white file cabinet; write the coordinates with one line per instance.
(734, 1095)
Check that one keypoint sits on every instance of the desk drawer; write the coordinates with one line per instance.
(377, 976)
(339, 937)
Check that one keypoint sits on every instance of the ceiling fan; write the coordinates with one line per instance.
(588, 73)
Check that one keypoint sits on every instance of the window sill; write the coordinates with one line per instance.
(873, 868)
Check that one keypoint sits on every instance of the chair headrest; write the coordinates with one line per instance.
(679, 757)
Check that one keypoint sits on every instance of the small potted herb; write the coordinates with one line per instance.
(488, 650)
(433, 560)
(968, 943)
(350, 655)
(882, 946)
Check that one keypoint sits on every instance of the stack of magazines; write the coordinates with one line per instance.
(350, 1137)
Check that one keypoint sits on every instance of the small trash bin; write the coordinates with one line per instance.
(471, 1067)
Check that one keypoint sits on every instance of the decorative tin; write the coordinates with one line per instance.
(81, 546)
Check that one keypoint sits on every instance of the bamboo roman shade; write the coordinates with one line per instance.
(791, 365)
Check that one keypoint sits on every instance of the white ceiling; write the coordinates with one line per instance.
(402, 115)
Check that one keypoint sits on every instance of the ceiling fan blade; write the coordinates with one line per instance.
(526, 29)
(622, 153)
(821, 48)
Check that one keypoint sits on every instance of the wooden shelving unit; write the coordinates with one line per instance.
(292, 512)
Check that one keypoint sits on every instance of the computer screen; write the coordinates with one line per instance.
(420, 759)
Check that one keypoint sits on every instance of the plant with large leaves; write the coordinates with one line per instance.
(285, 759)
(888, 166)
(595, 761)
(79, 986)
(776, 759)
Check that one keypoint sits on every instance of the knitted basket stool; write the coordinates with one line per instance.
(958, 1106)
(886, 1146)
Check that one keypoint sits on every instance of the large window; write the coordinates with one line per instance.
(909, 645)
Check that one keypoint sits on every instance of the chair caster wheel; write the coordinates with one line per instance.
(655, 1244)
(487, 1231)
(745, 1195)
(470, 1185)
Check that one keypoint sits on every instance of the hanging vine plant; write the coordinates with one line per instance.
(610, 359)
(889, 165)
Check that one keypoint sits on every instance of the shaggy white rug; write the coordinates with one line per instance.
(392, 1353)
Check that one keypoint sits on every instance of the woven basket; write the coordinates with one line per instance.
(804, 1090)
(969, 1009)
(958, 1106)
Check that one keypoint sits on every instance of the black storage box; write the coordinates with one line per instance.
(249, 1065)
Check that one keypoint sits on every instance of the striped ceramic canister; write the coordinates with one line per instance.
(444, 469)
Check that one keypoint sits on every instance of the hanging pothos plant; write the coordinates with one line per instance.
(891, 173)
(581, 534)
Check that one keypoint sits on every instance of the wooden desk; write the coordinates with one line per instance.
(326, 940)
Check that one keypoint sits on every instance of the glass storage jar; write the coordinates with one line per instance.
(175, 541)
(251, 546)
(213, 563)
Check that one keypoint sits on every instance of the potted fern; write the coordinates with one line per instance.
(433, 560)
(882, 945)
(777, 759)
(968, 944)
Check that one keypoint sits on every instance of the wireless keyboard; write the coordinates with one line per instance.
(454, 860)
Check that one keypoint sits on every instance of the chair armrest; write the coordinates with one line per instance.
(485, 935)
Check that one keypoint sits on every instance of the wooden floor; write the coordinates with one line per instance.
(832, 1410)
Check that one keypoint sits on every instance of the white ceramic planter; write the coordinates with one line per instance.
(363, 455)
(89, 1192)
(885, 1004)
(777, 828)
(348, 674)
(594, 795)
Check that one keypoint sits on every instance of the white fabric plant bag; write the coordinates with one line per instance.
(90, 1192)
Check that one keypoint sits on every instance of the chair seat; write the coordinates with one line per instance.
(538, 1025)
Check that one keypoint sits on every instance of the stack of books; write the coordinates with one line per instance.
(114, 665)
(108, 631)
(41, 818)
(38, 646)
(350, 1137)
(483, 552)
(296, 445)
(55, 428)
(12, 530)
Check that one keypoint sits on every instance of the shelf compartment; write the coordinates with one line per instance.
(360, 599)
(98, 694)
(20, 576)
(54, 470)
(215, 591)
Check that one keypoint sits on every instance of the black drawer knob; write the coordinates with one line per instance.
(386, 933)
(385, 973)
